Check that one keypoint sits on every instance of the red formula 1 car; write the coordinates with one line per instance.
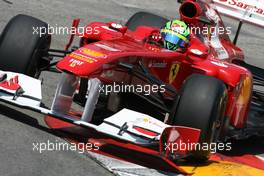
(140, 95)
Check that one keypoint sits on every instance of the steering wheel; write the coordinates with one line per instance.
(155, 38)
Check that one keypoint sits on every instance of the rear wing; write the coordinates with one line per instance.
(250, 11)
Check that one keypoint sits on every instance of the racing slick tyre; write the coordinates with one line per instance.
(146, 19)
(201, 105)
(22, 48)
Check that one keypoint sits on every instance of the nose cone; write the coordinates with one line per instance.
(82, 61)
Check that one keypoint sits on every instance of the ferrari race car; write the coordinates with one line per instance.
(134, 91)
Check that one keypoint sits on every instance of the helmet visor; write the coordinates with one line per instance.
(174, 39)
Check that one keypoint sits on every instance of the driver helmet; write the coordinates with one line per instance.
(176, 34)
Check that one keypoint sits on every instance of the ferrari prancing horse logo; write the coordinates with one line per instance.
(174, 72)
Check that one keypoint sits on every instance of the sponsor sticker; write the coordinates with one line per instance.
(82, 58)
(146, 120)
(157, 64)
(106, 47)
(252, 5)
(220, 64)
(74, 63)
(177, 28)
(174, 72)
(92, 53)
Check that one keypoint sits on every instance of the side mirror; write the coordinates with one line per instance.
(118, 27)
(194, 52)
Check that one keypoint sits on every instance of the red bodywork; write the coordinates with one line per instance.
(205, 55)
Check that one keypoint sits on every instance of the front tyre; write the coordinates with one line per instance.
(21, 50)
(201, 105)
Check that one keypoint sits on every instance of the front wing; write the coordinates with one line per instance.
(126, 125)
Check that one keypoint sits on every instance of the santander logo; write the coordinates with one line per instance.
(245, 4)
